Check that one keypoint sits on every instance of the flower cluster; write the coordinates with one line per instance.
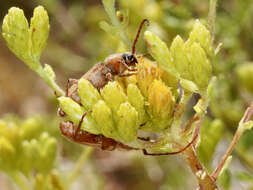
(28, 42)
(26, 150)
(147, 101)
(24, 146)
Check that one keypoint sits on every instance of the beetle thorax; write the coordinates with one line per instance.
(118, 63)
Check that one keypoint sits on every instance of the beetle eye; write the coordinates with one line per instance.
(130, 57)
(125, 57)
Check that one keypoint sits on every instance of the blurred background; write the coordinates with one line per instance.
(76, 43)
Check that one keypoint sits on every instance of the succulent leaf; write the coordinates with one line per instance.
(39, 30)
(88, 94)
(128, 122)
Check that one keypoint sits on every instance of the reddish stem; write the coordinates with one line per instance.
(206, 182)
(247, 116)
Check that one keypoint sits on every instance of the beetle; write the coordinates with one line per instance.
(69, 130)
(114, 65)
(82, 137)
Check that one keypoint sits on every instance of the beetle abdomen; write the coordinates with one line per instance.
(99, 75)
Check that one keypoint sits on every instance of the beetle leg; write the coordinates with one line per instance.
(132, 69)
(195, 137)
(80, 124)
(109, 77)
(68, 85)
(61, 113)
(128, 74)
(144, 55)
(144, 138)
(126, 66)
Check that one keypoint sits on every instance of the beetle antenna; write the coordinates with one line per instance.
(138, 34)
(195, 137)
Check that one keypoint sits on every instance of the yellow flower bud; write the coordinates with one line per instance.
(202, 36)
(88, 94)
(102, 114)
(147, 73)
(7, 151)
(245, 74)
(47, 152)
(75, 112)
(136, 99)
(11, 132)
(200, 67)
(113, 95)
(32, 151)
(160, 52)
(128, 122)
(161, 104)
(179, 58)
(30, 129)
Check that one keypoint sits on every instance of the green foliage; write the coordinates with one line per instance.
(16, 32)
(25, 149)
(245, 73)
(117, 28)
(75, 113)
(211, 134)
(89, 95)
(187, 61)
(128, 122)
(27, 43)
(225, 180)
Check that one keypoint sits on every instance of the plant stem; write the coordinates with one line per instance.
(109, 6)
(238, 134)
(211, 17)
(51, 83)
(81, 161)
(206, 182)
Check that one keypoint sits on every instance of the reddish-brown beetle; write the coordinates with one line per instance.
(114, 65)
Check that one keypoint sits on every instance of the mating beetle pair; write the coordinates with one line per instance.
(99, 75)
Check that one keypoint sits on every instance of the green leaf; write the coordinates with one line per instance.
(128, 122)
(75, 112)
(15, 30)
(39, 31)
(200, 67)
(136, 99)
(103, 117)
(179, 58)
(160, 52)
(201, 35)
(88, 94)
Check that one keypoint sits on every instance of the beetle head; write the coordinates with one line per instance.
(129, 59)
